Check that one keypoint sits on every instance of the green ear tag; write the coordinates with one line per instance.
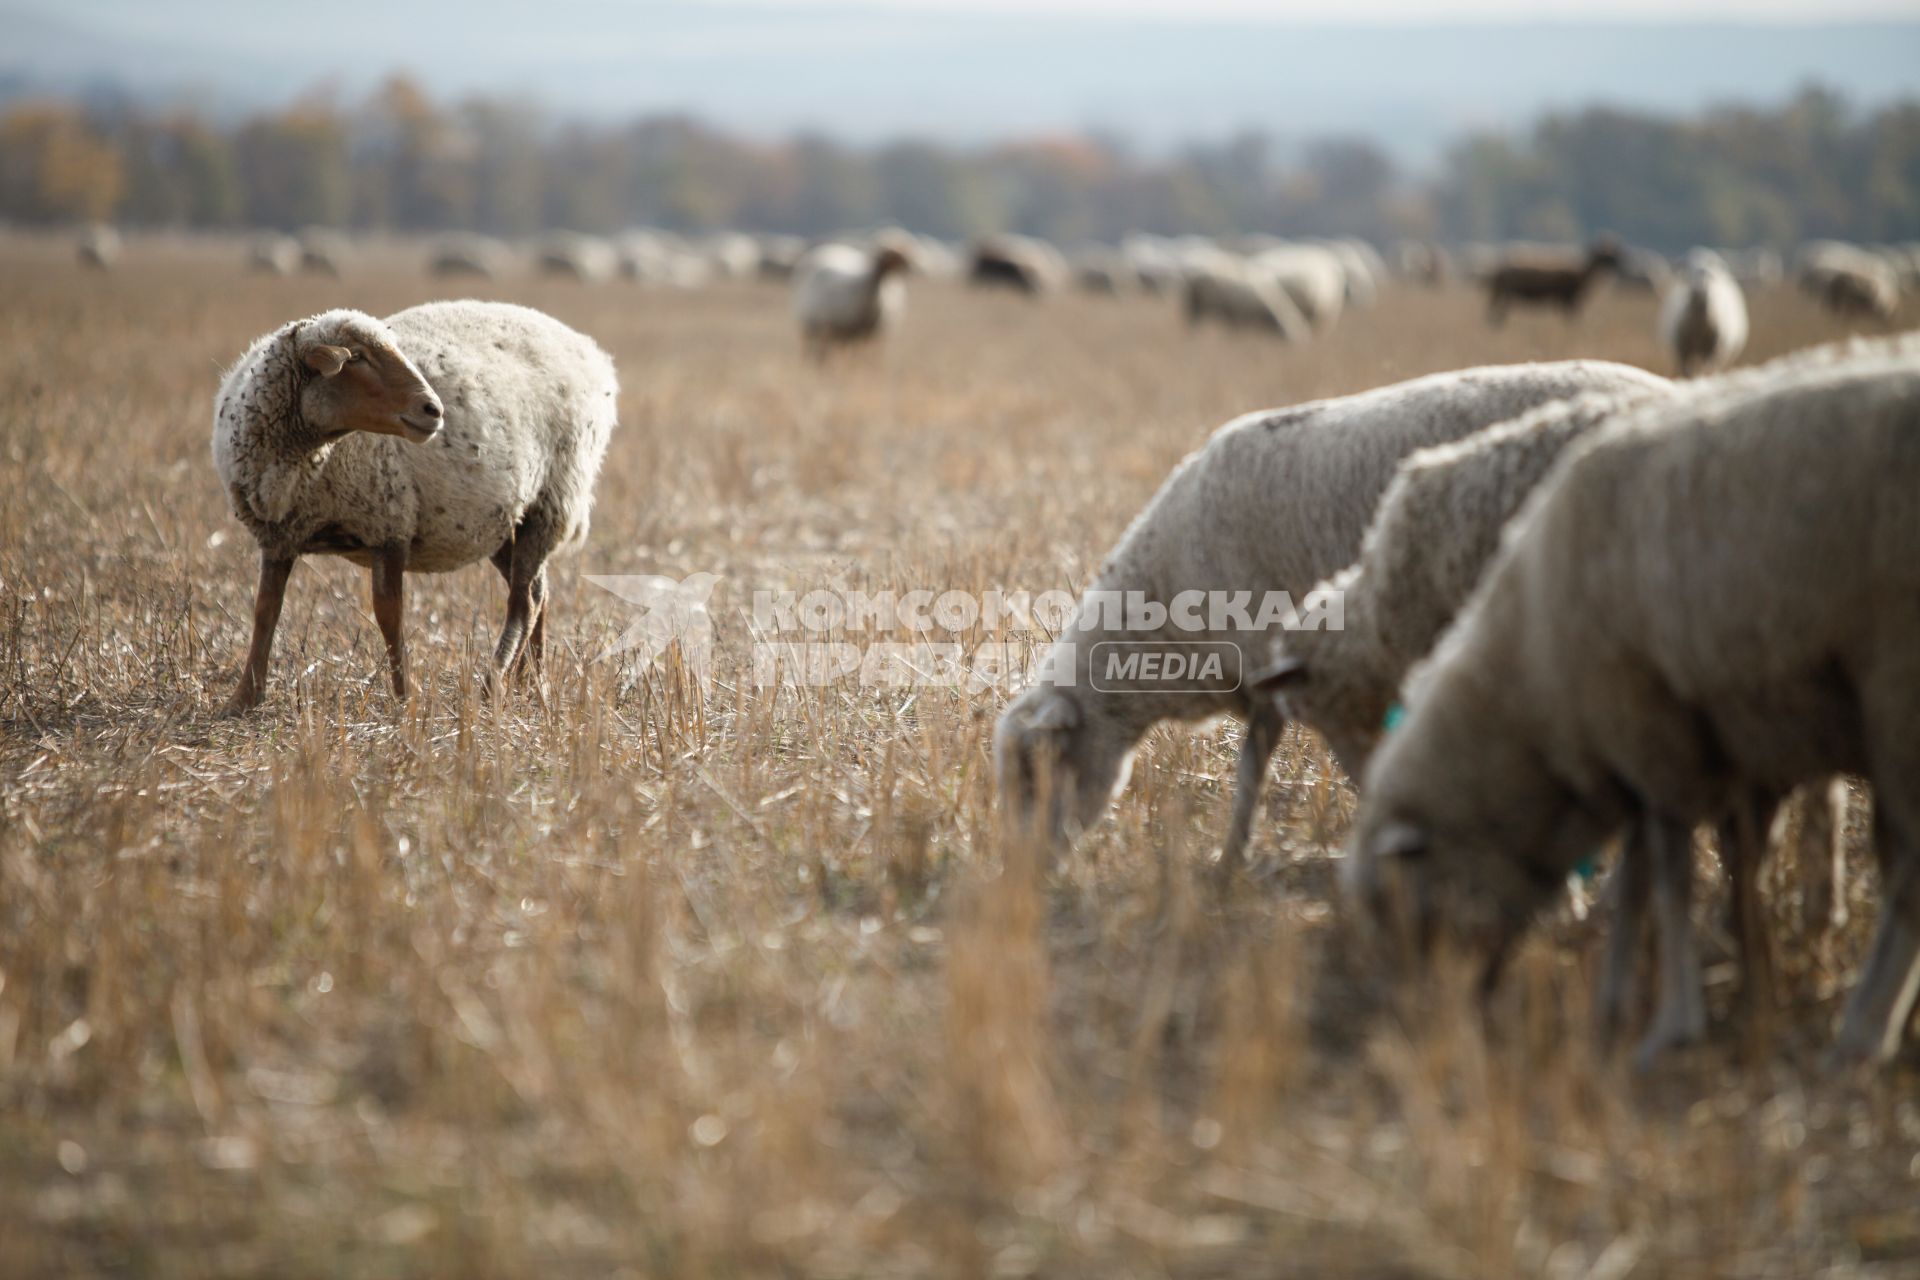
(1395, 714)
(1586, 870)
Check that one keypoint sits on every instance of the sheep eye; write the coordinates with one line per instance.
(356, 356)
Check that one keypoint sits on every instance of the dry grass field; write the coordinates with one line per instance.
(607, 978)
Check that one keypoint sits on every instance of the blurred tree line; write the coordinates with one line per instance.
(398, 161)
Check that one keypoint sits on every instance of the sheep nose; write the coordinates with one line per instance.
(431, 408)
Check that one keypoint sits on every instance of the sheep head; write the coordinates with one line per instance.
(1058, 767)
(1462, 834)
(361, 381)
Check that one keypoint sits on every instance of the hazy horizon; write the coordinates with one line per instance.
(1154, 73)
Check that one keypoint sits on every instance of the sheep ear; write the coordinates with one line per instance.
(1401, 840)
(325, 360)
(1285, 673)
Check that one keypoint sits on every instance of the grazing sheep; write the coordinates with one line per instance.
(1548, 277)
(1709, 597)
(843, 294)
(1241, 295)
(1436, 527)
(273, 254)
(1272, 503)
(98, 247)
(1849, 280)
(659, 258)
(462, 254)
(779, 255)
(734, 254)
(1020, 263)
(1360, 269)
(323, 251)
(446, 433)
(1152, 261)
(1703, 318)
(585, 258)
(1312, 277)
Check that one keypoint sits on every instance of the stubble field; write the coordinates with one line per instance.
(608, 977)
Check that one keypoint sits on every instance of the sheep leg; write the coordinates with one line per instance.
(1883, 999)
(1682, 1015)
(1256, 748)
(1743, 847)
(1629, 889)
(537, 640)
(536, 649)
(526, 560)
(266, 618)
(389, 578)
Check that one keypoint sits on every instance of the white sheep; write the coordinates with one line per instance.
(1707, 599)
(1436, 526)
(273, 254)
(1849, 280)
(1703, 318)
(1312, 277)
(466, 254)
(323, 251)
(1017, 262)
(446, 433)
(843, 294)
(1240, 294)
(1271, 504)
(98, 247)
(578, 256)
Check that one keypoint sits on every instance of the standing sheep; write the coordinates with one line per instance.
(1711, 596)
(1020, 263)
(323, 251)
(98, 247)
(843, 294)
(1241, 294)
(464, 254)
(1548, 278)
(1271, 504)
(1703, 318)
(273, 254)
(1849, 280)
(449, 432)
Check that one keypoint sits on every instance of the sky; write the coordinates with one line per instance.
(1411, 76)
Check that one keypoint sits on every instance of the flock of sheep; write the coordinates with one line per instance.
(1580, 601)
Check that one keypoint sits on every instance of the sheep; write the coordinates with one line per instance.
(585, 258)
(1241, 295)
(468, 255)
(658, 258)
(323, 251)
(734, 254)
(1361, 270)
(1709, 597)
(843, 294)
(1436, 526)
(1020, 263)
(1152, 261)
(1098, 269)
(1703, 318)
(273, 254)
(779, 255)
(1849, 280)
(1312, 277)
(1274, 502)
(1547, 277)
(98, 247)
(448, 432)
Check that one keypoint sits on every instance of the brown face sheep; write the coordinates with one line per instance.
(1544, 278)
